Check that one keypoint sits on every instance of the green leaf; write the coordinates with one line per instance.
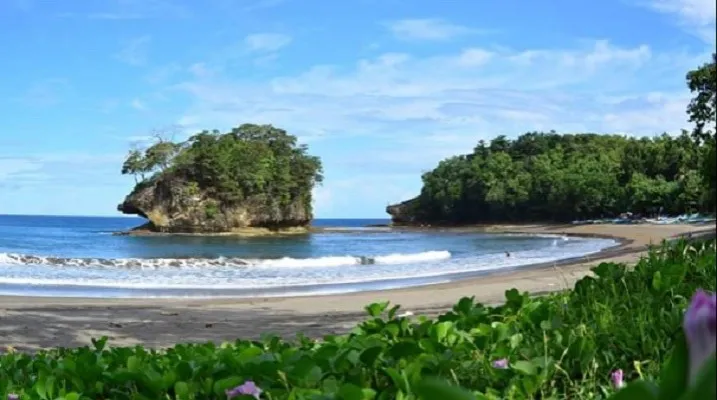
(430, 389)
(370, 355)
(673, 378)
(398, 379)
(525, 367)
(464, 305)
(181, 390)
(184, 371)
(368, 394)
(515, 340)
(376, 309)
(638, 390)
(440, 330)
(249, 354)
(133, 364)
(349, 391)
(392, 312)
(657, 281)
(40, 387)
(392, 329)
(705, 386)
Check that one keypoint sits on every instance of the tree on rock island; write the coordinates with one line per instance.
(253, 175)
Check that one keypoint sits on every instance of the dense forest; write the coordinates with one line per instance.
(562, 177)
(257, 162)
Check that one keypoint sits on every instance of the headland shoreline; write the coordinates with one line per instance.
(30, 323)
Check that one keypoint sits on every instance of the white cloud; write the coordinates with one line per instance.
(71, 169)
(398, 115)
(138, 105)
(427, 29)
(266, 42)
(135, 51)
(696, 16)
(472, 91)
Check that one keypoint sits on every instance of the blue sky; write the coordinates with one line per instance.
(380, 89)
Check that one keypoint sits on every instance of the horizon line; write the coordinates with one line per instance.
(135, 216)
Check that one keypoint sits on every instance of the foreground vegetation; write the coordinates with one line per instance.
(560, 346)
(545, 176)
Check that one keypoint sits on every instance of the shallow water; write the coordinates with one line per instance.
(78, 256)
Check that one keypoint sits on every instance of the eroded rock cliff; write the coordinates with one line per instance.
(172, 206)
(403, 213)
(255, 176)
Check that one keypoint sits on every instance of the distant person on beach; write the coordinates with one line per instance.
(507, 254)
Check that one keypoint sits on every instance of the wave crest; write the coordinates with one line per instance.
(225, 262)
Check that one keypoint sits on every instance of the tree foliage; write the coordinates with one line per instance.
(553, 177)
(258, 162)
(549, 176)
(701, 110)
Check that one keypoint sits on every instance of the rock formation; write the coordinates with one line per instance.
(171, 207)
(403, 213)
(255, 176)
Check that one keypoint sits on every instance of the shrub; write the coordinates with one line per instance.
(560, 346)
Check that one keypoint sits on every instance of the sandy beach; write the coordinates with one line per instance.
(30, 323)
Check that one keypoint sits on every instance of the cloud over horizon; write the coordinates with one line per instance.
(380, 98)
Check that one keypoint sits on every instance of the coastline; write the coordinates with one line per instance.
(238, 232)
(30, 323)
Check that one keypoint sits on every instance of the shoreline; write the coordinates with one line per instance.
(30, 323)
(238, 232)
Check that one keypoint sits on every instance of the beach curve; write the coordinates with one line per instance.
(30, 323)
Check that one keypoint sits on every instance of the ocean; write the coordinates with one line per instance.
(79, 257)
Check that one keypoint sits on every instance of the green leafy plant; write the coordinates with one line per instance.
(559, 346)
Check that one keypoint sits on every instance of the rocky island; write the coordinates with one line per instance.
(547, 177)
(551, 177)
(254, 179)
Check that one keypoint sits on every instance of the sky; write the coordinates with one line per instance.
(381, 90)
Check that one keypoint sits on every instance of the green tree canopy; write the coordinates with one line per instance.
(257, 162)
(703, 84)
(561, 177)
(553, 177)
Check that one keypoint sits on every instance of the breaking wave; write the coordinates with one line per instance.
(224, 262)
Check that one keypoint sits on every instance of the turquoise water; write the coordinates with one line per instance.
(78, 256)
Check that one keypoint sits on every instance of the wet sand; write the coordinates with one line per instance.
(31, 323)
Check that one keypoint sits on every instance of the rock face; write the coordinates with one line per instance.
(173, 206)
(403, 213)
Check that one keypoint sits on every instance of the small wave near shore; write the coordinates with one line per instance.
(67, 257)
(285, 262)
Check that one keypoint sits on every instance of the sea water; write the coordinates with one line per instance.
(79, 256)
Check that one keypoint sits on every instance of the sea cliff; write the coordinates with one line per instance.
(254, 179)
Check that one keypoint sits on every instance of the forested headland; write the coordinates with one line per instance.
(547, 176)
(251, 176)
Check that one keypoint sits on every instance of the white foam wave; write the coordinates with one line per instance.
(288, 262)
(412, 258)
(221, 262)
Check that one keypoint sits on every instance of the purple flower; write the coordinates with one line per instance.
(616, 378)
(13, 396)
(700, 326)
(249, 387)
(501, 363)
